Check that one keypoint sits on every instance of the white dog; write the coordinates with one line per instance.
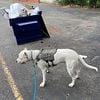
(70, 57)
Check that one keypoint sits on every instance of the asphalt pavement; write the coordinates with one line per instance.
(74, 28)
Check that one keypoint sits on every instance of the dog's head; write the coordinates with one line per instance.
(22, 56)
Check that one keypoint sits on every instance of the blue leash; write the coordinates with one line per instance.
(35, 83)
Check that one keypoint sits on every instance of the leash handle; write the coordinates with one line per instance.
(34, 83)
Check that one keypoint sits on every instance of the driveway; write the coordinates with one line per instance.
(75, 28)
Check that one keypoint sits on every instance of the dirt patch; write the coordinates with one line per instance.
(53, 29)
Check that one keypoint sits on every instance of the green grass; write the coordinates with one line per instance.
(87, 3)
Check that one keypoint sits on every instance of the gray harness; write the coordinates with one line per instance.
(47, 55)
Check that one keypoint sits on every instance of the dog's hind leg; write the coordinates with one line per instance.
(77, 74)
(72, 72)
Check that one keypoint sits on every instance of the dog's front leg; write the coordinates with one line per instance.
(43, 67)
(44, 78)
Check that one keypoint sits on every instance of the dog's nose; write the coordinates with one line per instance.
(16, 61)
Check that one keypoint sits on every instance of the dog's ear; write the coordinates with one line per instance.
(25, 53)
(25, 48)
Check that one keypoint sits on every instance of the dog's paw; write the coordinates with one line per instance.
(71, 85)
(48, 71)
(42, 84)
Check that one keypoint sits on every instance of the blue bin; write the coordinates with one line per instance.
(29, 28)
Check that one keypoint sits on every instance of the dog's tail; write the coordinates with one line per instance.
(87, 65)
(83, 56)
